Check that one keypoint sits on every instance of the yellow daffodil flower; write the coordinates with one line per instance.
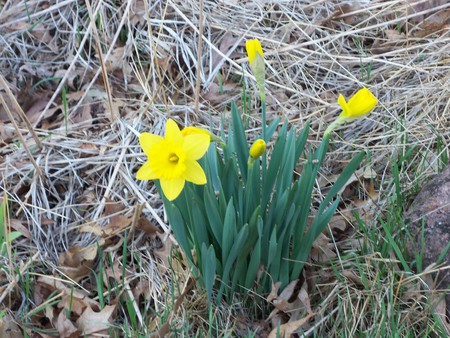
(173, 159)
(256, 59)
(257, 148)
(358, 106)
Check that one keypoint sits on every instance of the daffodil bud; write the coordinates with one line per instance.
(257, 149)
(256, 59)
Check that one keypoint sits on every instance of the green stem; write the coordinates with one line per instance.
(264, 122)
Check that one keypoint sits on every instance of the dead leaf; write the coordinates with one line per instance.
(346, 12)
(148, 227)
(288, 301)
(91, 322)
(438, 22)
(274, 292)
(286, 330)
(228, 41)
(216, 95)
(77, 262)
(65, 326)
(75, 304)
(116, 272)
(164, 253)
(416, 6)
(341, 221)
(18, 226)
(51, 284)
(9, 328)
(320, 251)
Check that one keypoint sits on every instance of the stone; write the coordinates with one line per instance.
(430, 213)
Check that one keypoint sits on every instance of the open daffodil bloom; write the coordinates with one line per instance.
(173, 159)
(358, 106)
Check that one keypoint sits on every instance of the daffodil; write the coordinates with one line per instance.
(358, 106)
(173, 159)
(256, 59)
(257, 148)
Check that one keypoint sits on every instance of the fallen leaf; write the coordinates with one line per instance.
(438, 22)
(417, 6)
(9, 328)
(116, 272)
(216, 95)
(285, 330)
(65, 327)
(49, 284)
(228, 41)
(148, 227)
(91, 322)
(320, 251)
(77, 262)
(77, 254)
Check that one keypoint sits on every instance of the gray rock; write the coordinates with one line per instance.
(431, 208)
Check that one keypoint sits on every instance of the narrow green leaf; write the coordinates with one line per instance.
(239, 140)
(208, 269)
(213, 215)
(229, 230)
(231, 258)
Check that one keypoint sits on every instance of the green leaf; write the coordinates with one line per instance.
(229, 230)
(198, 224)
(13, 235)
(239, 140)
(255, 258)
(274, 167)
(238, 243)
(178, 227)
(301, 141)
(272, 127)
(342, 180)
(213, 215)
(284, 179)
(208, 269)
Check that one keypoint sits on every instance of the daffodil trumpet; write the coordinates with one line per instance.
(357, 107)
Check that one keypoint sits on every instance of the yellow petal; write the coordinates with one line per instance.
(359, 104)
(147, 140)
(173, 133)
(172, 187)
(194, 130)
(194, 173)
(195, 146)
(146, 172)
(343, 104)
(253, 47)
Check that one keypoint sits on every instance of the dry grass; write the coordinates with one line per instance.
(91, 76)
